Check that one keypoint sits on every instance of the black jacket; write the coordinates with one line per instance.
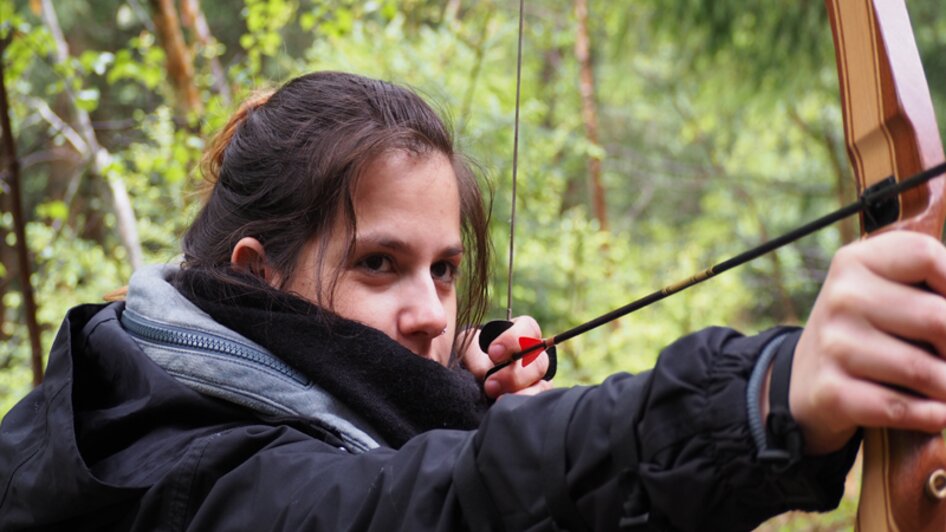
(110, 441)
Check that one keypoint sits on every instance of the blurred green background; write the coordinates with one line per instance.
(658, 137)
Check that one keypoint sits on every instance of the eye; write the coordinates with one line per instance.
(376, 264)
(444, 271)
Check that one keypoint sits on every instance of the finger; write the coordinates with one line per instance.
(515, 377)
(532, 390)
(490, 331)
(473, 359)
(904, 311)
(536, 388)
(507, 343)
(892, 361)
(871, 405)
(902, 256)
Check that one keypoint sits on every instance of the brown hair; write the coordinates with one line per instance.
(284, 169)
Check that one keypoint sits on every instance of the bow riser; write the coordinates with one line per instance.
(890, 129)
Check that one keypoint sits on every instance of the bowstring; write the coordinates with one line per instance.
(515, 169)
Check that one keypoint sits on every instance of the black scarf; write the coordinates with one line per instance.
(398, 392)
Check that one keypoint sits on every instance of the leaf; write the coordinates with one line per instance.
(56, 210)
(87, 99)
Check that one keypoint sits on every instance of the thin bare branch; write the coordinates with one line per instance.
(60, 126)
(97, 156)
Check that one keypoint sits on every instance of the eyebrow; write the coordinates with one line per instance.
(394, 244)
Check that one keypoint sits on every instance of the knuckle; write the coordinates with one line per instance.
(836, 346)
(828, 396)
(918, 373)
(844, 296)
(895, 410)
(848, 294)
(928, 251)
(529, 324)
(933, 316)
(846, 256)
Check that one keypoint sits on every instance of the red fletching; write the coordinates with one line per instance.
(526, 342)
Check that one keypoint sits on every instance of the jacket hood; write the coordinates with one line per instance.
(219, 362)
(103, 426)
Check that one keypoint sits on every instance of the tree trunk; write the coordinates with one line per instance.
(193, 17)
(180, 64)
(589, 111)
(19, 224)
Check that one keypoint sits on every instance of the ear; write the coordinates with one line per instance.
(249, 256)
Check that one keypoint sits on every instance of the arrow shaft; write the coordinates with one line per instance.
(865, 202)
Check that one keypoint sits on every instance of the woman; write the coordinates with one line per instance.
(299, 370)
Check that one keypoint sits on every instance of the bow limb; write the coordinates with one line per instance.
(890, 130)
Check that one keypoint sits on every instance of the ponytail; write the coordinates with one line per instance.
(212, 160)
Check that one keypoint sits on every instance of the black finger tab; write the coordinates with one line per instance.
(491, 331)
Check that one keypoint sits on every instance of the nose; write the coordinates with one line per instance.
(422, 315)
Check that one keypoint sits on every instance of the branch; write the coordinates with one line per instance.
(61, 126)
(57, 153)
(97, 155)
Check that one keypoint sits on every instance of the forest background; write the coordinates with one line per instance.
(658, 137)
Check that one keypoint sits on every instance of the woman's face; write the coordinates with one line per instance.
(401, 275)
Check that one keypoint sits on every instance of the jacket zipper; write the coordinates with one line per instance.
(170, 335)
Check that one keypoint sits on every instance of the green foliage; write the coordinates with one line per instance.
(141, 62)
(718, 125)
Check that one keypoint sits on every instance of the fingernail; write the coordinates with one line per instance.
(497, 351)
(492, 388)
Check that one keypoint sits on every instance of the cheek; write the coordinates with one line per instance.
(444, 343)
(301, 285)
(375, 309)
(443, 347)
(451, 305)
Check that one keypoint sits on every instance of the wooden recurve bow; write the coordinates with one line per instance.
(890, 130)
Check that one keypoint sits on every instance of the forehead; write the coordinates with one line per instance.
(404, 186)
